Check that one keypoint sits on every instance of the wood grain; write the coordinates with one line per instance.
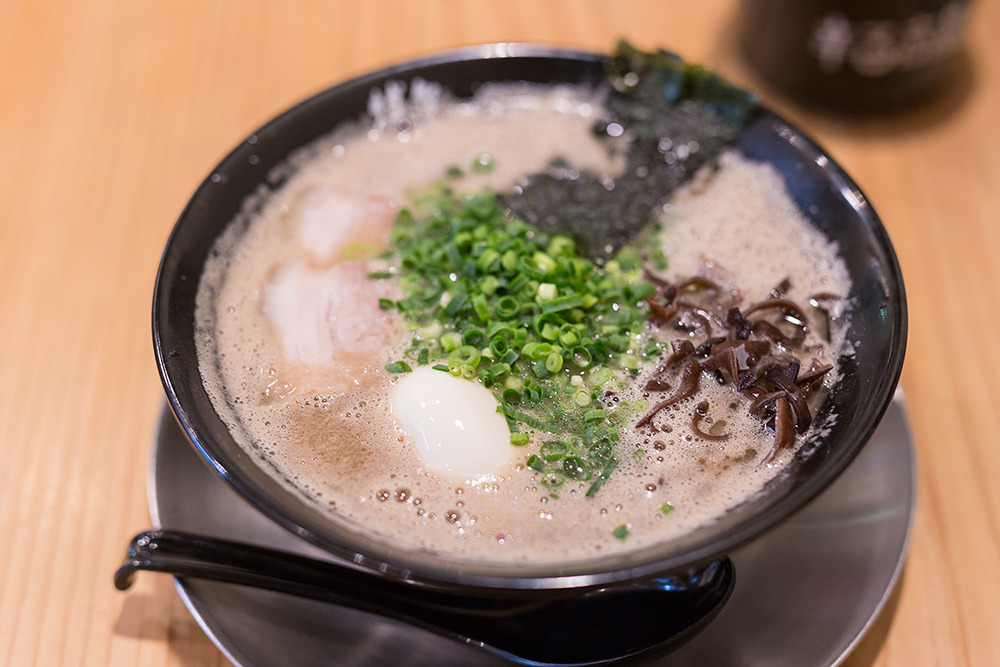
(110, 115)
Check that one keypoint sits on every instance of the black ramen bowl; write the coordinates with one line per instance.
(827, 196)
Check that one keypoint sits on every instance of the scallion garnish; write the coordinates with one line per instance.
(398, 367)
(495, 300)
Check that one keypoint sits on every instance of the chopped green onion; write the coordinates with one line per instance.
(473, 337)
(499, 345)
(481, 307)
(511, 396)
(498, 370)
(489, 285)
(563, 303)
(544, 263)
(539, 369)
(600, 481)
(495, 300)
(488, 261)
(553, 362)
(466, 355)
(576, 468)
(549, 331)
(533, 422)
(600, 375)
(450, 341)
(552, 480)
(561, 246)
(601, 452)
(456, 304)
(618, 342)
(507, 308)
(398, 367)
(546, 292)
(553, 450)
(483, 163)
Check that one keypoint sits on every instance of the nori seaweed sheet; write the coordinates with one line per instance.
(670, 118)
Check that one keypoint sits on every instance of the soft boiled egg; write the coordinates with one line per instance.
(454, 423)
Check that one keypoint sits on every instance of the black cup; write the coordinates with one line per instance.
(856, 55)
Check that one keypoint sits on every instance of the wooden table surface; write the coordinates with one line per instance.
(112, 112)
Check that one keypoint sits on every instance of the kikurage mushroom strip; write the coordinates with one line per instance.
(751, 349)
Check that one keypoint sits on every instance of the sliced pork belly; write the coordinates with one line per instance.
(332, 226)
(327, 316)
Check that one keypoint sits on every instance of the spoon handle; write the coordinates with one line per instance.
(189, 555)
(577, 626)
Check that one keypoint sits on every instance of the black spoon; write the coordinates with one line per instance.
(587, 626)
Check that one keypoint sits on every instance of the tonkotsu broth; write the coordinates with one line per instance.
(328, 430)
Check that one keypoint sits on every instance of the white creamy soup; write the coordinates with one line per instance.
(295, 341)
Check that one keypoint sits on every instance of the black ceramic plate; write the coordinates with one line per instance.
(805, 593)
(829, 198)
